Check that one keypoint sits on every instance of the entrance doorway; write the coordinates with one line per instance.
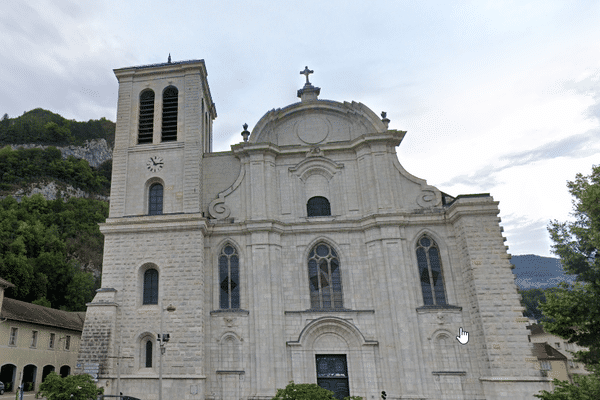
(332, 374)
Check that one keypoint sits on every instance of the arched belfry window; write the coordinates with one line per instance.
(318, 206)
(155, 199)
(229, 278)
(149, 346)
(324, 278)
(430, 272)
(146, 122)
(169, 114)
(151, 286)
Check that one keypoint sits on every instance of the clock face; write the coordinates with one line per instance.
(155, 163)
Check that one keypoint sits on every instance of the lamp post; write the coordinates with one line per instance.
(162, 339)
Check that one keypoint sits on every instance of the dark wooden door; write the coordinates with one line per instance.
(332, 374)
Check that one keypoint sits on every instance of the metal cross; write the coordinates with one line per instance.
(306, 72)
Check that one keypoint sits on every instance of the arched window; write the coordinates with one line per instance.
(324, 278)
(149, 345)
(169, 114)
(430, 272)
(155, 199)
(151, 286)
(229, 278)
(146, 122)
(318, 207)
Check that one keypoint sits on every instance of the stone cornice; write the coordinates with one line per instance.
(328, 223)
(390, 137)
(514, 379)
(471, 206)
(161, 68)
(153, 376)
(154, 223)
(180, 68)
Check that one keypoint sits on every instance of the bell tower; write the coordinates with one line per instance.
(154, 237)
(164, 126)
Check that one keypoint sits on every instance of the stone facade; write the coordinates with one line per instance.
(34, 341)
(241, 329)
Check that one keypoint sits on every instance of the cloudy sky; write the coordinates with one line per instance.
(501, 97)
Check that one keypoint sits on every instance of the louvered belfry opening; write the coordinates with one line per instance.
(169, 114)
(146, 123)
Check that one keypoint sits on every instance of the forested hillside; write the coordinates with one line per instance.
(22, 166)
(51, 250)
(45, 127)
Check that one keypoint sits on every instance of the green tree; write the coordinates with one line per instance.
(307, 391)
(72, 387)
(80, 290)
(531, 299)
(573, 311)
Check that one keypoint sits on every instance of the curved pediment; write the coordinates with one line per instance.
(316, 122)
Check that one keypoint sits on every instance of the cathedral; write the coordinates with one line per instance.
(306, 253)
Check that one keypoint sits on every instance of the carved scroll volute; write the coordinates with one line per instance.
(429, 197)
(218, 209)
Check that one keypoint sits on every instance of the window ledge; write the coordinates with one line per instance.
(230, 311)
(329, 310)
(459, 373)
(436, 308)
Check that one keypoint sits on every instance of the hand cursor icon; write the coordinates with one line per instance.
(463, 337)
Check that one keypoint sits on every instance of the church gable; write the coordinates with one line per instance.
(316, 123)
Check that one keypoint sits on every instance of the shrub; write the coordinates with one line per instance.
(307, 391)
(72, 387)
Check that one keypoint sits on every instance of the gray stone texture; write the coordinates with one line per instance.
(254, 198)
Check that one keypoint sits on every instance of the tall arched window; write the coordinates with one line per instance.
(169, 114)
(146, 122)
(318, 207)
(155, 199)
(151, 286)
(229, 278)
(324, 278)
(430, 272)
(149, 346)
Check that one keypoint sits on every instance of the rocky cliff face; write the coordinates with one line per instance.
(95, 152)
(52, 190)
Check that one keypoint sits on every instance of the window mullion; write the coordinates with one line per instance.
(331, 288)
(229, 282)
(430, 275)
(319, 281)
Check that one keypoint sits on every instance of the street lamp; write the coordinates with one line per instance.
(162, 339)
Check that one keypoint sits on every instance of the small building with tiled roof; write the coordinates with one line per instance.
(36, 340)
(552, 362)
(555, 354)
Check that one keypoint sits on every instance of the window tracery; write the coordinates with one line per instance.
(430, 272)
(229, 274)
(324, 278)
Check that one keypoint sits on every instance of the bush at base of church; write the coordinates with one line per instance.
(72, 387)
(307, 391)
